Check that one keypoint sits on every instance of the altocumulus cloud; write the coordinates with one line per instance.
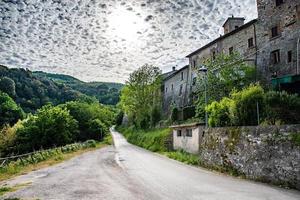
(105, 40)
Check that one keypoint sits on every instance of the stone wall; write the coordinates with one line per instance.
(269, 154)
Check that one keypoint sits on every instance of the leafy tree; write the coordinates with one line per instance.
(51, 126)
(8, 86)
(96, 129)
(119, 118)
(225, 73)
(141, 95)
(10, 112)
(88, 114)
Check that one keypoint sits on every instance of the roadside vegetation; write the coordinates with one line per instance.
(36, 160)
(157, 140)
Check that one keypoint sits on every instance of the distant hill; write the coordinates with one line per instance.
(106, 93)
(32, 92)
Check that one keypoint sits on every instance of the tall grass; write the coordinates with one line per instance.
(153, 140)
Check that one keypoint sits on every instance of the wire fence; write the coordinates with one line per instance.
(37, 156)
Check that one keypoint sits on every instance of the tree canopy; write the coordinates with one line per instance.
(140, 98)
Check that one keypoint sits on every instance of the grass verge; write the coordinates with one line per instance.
(49, 158)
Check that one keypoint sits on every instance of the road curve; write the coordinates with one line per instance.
(129, 172)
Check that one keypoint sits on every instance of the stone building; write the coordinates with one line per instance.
(278, 36)
(271, 43)
(175, 89)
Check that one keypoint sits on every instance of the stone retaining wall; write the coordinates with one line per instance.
(265, 153)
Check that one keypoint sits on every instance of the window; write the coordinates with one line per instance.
(275, 56)
(274, 32)
(194, 62)
(182, 76)
(180, 90)
(172, 87)
(231, 50)
(166, 90)
(279, 2)
(179, 133)
(189, 133)
(214, 55)
(290, 56)
(298, 11)
(250, 42)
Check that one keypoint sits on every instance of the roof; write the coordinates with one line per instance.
(187, 125)
(175, 72)
(223, 37)
(167, 74)
(235, 18)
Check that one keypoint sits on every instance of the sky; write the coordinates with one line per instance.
(106, 40)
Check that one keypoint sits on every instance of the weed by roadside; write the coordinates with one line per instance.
(46, 158)
(184, 157)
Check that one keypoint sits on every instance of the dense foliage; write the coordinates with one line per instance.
(106, 93)
(153, 140)
(32, 92)
(56, 126)
(252, 105)
(10, 112)
(94, 119)
(51, 126)
(140, 98)
(225, 73)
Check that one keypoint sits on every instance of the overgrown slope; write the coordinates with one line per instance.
(106, 93)
(32, 92)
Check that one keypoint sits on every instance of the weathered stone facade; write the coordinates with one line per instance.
(286, 17)
(265, 153)
(176, 89)
(271, 43)
(268, 154)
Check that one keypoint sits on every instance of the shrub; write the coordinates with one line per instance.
(153, 140)
(96, 129)
(8, 138)
(246, 102)
(184, 157)
(51, 126)
(221, 113)
(283, 107)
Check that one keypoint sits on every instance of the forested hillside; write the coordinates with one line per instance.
(106, 93)
(32, 92)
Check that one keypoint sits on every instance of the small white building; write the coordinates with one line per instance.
(187, 137)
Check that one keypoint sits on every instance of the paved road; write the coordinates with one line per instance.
(129, 172)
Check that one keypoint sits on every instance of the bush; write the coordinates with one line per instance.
(246, 102)
(93, 119)
(153, 140)
(51, 126)
(119, 118)
(282, 107)
(184, 157)
(221, 113)
(8, 138)
(96, 129)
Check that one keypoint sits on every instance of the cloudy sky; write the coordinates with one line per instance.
(105, 40)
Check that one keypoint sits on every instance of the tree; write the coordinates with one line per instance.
(51, 126)
(225, 73)
(10, 112)
(142, 95)
(8, 86)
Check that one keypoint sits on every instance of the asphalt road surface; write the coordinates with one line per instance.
(129, 172)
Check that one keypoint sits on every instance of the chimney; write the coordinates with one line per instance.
(173, 69)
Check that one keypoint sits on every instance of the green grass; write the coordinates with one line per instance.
(46, 158)
(153, 140)
(184, 157)
(296, 138)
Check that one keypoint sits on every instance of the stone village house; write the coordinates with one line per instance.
(271, 43)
